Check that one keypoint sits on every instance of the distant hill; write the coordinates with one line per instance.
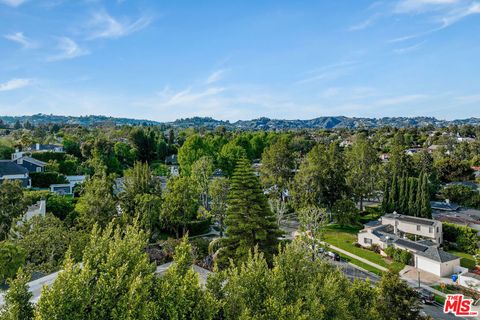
(255, 124)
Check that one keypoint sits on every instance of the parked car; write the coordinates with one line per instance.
(426, 296)
(333, 255)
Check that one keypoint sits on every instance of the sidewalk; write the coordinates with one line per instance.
(411, 282)
(351, 255)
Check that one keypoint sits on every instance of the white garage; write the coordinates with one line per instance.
(436, 261)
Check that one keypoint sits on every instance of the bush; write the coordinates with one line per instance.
(458, 194)
(465, 237)
(45, 179)
(49, 156)
(399, 255)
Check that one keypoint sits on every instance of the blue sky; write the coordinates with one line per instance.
(233, 60)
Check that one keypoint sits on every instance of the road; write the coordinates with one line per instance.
(354, 272)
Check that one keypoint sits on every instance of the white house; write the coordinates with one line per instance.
(392, 230)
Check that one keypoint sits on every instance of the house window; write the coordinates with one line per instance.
(430, 230)
(438, 230)
(39, 169)
(418, 228)
(367, 241)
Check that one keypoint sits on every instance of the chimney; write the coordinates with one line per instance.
(447, 201)
(37, 146)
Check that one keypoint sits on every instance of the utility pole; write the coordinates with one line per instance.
(418, 271)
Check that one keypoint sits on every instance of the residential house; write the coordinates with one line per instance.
(9, 170)
(67, 188)
(393, 229)
(31, 164)
(45, 147)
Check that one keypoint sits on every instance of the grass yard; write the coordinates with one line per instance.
(345, 237)
(466, 261)
(360, 264)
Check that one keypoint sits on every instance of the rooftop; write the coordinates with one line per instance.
(411, 245)
(444, 206)
(8, 167)
(437, 254)
(409, 219)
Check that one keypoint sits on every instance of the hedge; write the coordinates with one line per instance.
(45, 179)
(465, 237)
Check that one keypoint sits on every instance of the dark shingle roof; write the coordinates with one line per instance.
(373, 223)
(437, 255)
(8, 167)
(411, 245)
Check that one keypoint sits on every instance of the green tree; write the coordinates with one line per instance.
(321, 177)
(344, 212)
(148, 208)
(115, 281)
(60, 206)
(201, 172)
(17, 299)
(179, 292)
(45, 240)
(12, 257)
(145, 143)
(395, 299)
(219, 189)
(249, 221)
(363, 168)
(193, 149)
(138, 181)
(277, 166)
(11, 205)
(423, 197)
(412, 196)
(229, 155)
(180, 204)
(96, 204)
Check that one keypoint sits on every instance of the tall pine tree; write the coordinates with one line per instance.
(423, 197)
(249, 220)
(412, 204)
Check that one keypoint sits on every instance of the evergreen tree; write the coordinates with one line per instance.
(412, 207)
(402, 195)
(423, 197)
(249, 220)
(393, 194)
(17, 300)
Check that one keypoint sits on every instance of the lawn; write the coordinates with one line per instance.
(467, 261)
(360, 264)
(345, 237)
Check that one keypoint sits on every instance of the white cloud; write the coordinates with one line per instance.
(103, 25)
(15, 84)
(328, 72)
(469, 99)
(20, 38)
(409, 48)
(69, 49)
(12, 3)
(188, 96)
(459, 14)
(215, 76)
(415, 6)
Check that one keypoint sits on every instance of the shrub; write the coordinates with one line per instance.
(465, 237)
(399, 255)
(45, 179)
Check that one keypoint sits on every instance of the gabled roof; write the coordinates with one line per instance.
(8, 167)
(437, 254)
(34, 161)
